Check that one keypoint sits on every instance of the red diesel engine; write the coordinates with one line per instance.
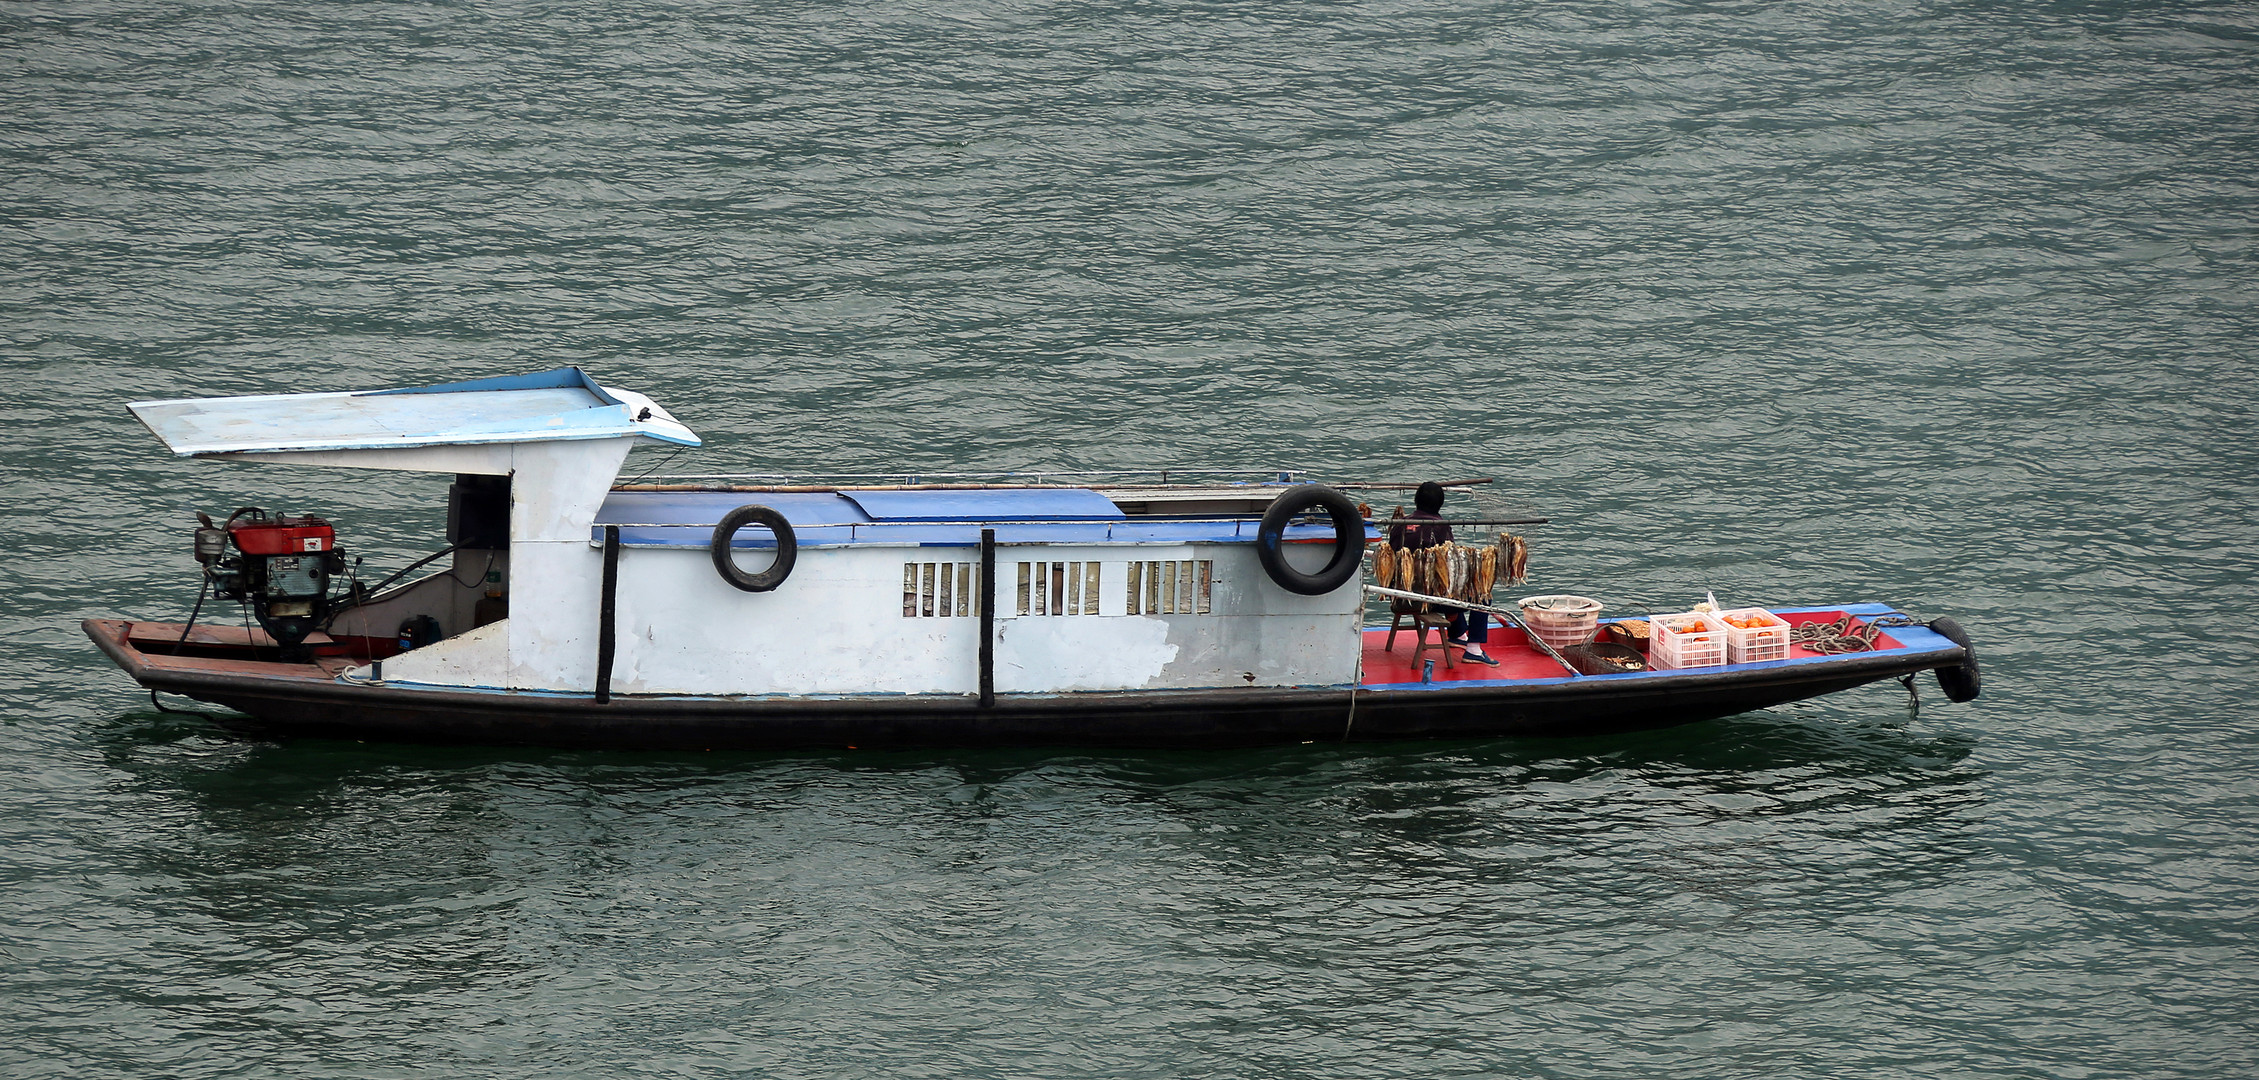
(281, 569)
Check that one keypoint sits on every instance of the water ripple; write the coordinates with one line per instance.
(1947, 305)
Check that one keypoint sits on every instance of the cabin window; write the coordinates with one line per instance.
(940, 590)
(1178, 587)
(1058, 588)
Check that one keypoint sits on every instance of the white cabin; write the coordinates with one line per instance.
(883, 597)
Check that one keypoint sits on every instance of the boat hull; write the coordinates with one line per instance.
(306, 700)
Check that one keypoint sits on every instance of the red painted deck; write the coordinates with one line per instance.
(1518, 659)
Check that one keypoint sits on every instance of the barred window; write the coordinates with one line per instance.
(1058, 588)
(1177, 587)
(940, 590)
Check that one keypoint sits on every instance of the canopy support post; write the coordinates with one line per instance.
(605, 643)
(987, 618)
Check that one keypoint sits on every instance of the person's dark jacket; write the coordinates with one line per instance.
(1414, 537)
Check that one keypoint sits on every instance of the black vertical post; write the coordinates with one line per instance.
(987, 618)
(604, 639)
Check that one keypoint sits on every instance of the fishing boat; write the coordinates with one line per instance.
(567, 609)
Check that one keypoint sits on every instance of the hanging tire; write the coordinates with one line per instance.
(788, 548)
(1962, 681)
(1348, 535)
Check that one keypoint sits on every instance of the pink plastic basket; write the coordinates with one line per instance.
(1561, 621)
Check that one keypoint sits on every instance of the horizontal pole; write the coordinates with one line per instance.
(1392, 486)
(1443, 600)
(1512, 618)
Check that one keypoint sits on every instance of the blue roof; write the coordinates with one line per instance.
(686, 519)
(988, 504)
(564, 404)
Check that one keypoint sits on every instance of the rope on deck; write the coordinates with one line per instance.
(1829, 639)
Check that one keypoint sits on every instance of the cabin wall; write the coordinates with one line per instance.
(555, 576)
(837, 626)
(841, 623)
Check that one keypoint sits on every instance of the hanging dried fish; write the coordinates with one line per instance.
(1384, 565)
(1518, 570)
(1486, 575)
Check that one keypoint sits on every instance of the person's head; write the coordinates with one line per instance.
(1429, 499)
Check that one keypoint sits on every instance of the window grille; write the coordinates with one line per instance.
(1176, 587)
(939, 590)
(1058, 588)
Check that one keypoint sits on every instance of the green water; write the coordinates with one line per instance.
(1946, 305)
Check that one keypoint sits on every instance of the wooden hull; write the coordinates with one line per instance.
(307, 700)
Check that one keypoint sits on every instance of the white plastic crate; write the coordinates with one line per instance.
(1688, 639)
(1766, 641)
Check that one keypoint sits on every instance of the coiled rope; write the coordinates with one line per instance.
(1829, 639)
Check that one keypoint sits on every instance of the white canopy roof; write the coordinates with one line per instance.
(548, 406)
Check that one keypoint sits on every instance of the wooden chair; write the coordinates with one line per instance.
(1423, 621)
(1397, 610)
(1441, 624)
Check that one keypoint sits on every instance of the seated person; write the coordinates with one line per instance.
(1470, 630)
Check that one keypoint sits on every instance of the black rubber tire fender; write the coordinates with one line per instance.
(1348, 533)
(1963, 681)
(788, 548)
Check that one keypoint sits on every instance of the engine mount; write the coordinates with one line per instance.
(281, 570)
